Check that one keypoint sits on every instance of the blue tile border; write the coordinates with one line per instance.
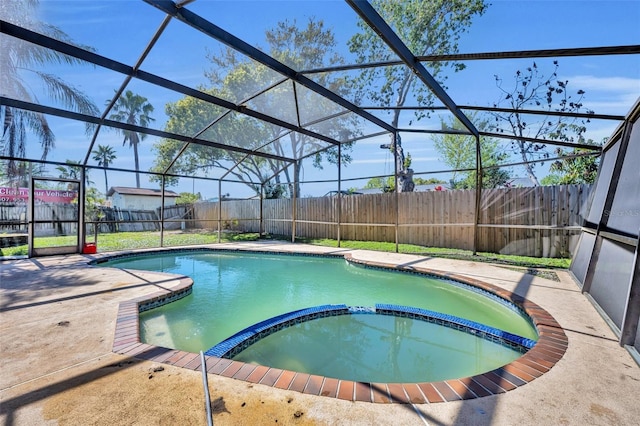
(240, 341)
(513, 341)
(235, 344)
(186, 250)
(170, 297)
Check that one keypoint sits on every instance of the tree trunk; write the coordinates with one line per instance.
(405, 174)
(528, 166)
(296, 178)
(106, 183)
(137, 163)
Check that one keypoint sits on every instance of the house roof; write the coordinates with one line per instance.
(519, 182)
(124, 190)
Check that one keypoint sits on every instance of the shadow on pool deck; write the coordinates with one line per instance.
(12, 405)
(489, 408)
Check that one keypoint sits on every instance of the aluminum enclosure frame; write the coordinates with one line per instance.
(367, 13)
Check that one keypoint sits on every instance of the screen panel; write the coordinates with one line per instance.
(603, 183)
(580, 261)
(637, 344)
(611, 280)
(624, 215)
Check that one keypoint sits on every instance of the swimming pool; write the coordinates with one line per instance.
(234, 290)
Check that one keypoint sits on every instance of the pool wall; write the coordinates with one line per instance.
(547, 351)
(240, 341)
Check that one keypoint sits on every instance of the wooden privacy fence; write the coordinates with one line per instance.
(176, 216)
(540, 221)
(13, 218)
(52, 219)
(59, 218)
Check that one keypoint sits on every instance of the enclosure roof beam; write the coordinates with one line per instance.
(212, 30)
(632, 49)
(543, 141)
(569, 114)
(28, 106)
(384, 31)
(76, 52)
(545, 160)
(125, 83)
(436, 131)
(504, 136)
(115, 169)
(240, 161)
(506, 110)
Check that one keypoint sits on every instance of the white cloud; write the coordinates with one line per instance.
(622, 103)
(417, 159)
(390, 160)
(607, 95)
(370, 161)
(591, 83)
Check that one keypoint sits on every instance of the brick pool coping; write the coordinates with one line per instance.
(549, 349)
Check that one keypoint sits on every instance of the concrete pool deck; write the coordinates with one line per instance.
(58, 321)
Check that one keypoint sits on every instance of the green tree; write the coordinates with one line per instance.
(73, 171)
(242, 81)
(273, 191)
(551, 180)
(93, 212)
(22, 61)
(427, 28)
(383, 184)
(459, 152)
(388, 184)
(104, 155)
(188, 198)
(575, 168)
(429, 181)
(533, 89)
(131, 108)
(22, 172)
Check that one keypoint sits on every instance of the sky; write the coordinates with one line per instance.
(120, 29)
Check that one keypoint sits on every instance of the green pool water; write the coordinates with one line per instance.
(234, 290)
(377, 349)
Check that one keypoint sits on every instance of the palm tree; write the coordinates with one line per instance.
(73, 171)
(104, 155)
(20, 59)
(133, 109)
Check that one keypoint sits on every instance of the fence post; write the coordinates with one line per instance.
(30, 212)
(339, 206)
(294, 195)
(261, 227)
(162, 214)
(476, 221)
(397, 194)
(219, 209)
(81, 209)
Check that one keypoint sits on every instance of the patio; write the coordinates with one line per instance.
(58, 319)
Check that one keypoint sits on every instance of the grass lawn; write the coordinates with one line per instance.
(136, 240)
(518, 261)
